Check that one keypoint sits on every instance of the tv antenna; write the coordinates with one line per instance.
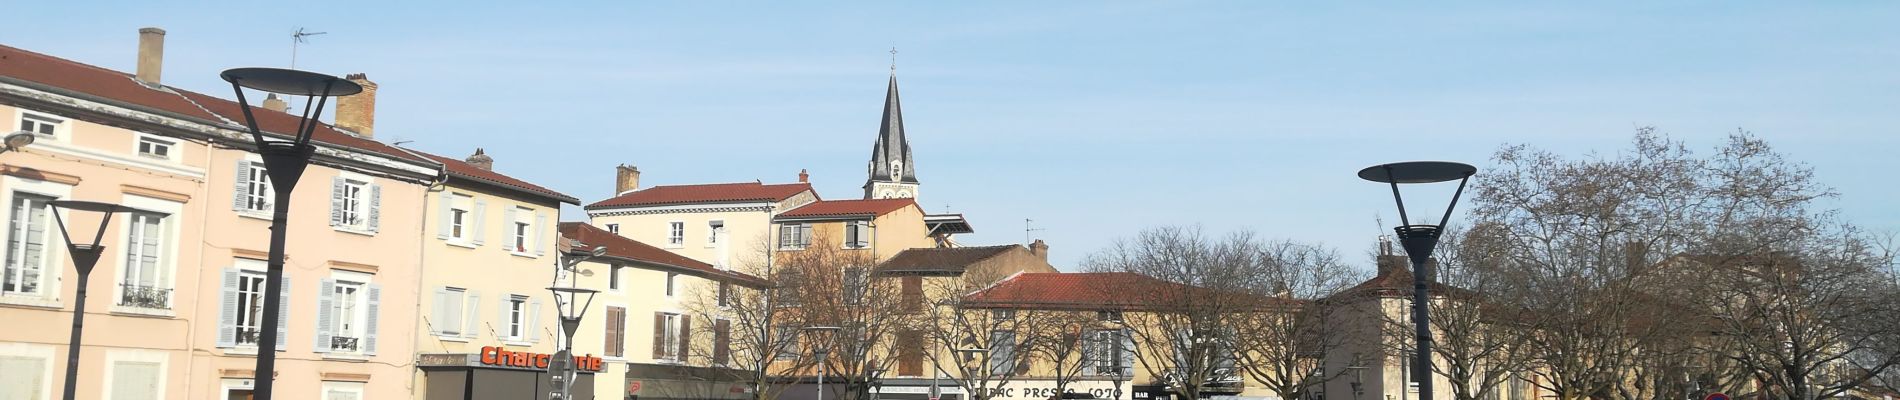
(1029, 228)
(298, 38)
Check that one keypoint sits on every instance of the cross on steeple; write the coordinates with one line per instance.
(893, 59)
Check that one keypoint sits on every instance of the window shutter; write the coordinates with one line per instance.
(480, 224)
(540, 239)
(326, 317)
(659, 335)
(611, 344)
(804, 235)
(471, 319)
(533, 331)
(686, 335)
(227, 320)
(506, 320)
(283, 313)
(785, 235)
(375, 295)
(134, 380)
(375, 207)
(1090, 343)
(242, 192)
(336, 201)
(1127, 359)
(444, 216)
(722, 342)
(438, 310)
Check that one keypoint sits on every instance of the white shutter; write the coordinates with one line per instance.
(445, 215)
(1127, 358)
(242, 193)
(326, 314)
(480, 225)
(227, 319)
(472, 319)
(375, 295)
(540, 237)
(135, 381)
(375, 207)
(533, 332)
(438, 310)
(283, 313)
(507, 319)
(508, 228)
(336, 201)
(25, 378)
(804, 235)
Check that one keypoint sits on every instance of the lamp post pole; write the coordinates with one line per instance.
(819, 355)
(563, 366)
(1419, 242)
(85, 257)
(284, 162)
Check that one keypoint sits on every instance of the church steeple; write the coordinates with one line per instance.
(892, 174)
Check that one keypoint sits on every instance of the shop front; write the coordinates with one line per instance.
(679, 382)
(499, 374)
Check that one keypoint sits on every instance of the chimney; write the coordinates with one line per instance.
(274, 103)
(357, 112)
(626, 179)
(803, 177)
(1389, 263)
(151, 55)
(1040, 249)
(480, 160)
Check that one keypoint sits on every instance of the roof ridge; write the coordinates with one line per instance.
(68, 61)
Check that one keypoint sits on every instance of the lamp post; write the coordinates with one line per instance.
(819, 354)
(1419, 241)
(561, 368)
(877, 381)
(966, 355)
(16, 140)
(284, 161)
(85, 256)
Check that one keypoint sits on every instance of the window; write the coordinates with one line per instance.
(135, 380)
(340, 391)
(27, 238)
(787, 341)
(449, 304)
(675, 233)
(351, 203)
(255, 182)
(1405, 371)
(714, 230)
(250, 307)
(1002, 352)
(725, 294)
(613, 277)
(517, 317)
(40, 123)
(722, 341)
(348, 314)
(1109, 316)
(1002, 315)
(912, 293)
(670, 277)
(669, 338)
(523, 224)
(794, 236)
(855, 283)
(155, 147)
(613, 228)
(857, 234)
(460, 217)
(144, 282)
(1110, 352)
(616, 335)
(24, 377)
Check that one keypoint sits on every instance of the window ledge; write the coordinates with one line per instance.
(143, 311)
(350, 357)
(245, 350)
(517, 343)
(355, 230)
(458, 243)
(456, 338)
(253, 214)
(524, 255)
(30, 301)
(675, 246)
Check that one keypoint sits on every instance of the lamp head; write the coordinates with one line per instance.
(289, 82)
(86, 254)
(598, 251)
(20, 139)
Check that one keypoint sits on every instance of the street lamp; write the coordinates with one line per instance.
(85, 256)
(964, 356)
(562, 366)
(1419, 241)
(819, 354)
(284, 161)
(877, 380)
(16, 140)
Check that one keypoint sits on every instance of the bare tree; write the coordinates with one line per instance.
(1283, 339)
(1078, 346)
(756, 343)
(826, 286)
(988, 347)
(1480, 333)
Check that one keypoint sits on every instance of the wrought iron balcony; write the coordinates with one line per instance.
(343, 343)
(131, 295)
(247, 336)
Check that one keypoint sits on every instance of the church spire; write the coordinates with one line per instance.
(892, 174)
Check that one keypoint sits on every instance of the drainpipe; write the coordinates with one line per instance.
(422, 263)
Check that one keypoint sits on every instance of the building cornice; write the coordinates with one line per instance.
(680, 209)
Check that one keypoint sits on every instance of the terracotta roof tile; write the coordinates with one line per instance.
(120, 87)
(708, 193)
(933, 261)
(462, 169)
(621, 247)
(1057, 290)
(848, 208)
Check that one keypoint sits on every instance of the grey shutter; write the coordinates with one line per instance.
(481, 222)
(375, 207)
(445, 215)
(1127, 358)
(471, 320)
(283, 313)
(369, 323)
(534, 322)
(507, 320)
(336, 201)
(326, 315)
(508, 228)
(540, 238)
(242, 193)
(227, 318)
(1090, 344)
(438, 312)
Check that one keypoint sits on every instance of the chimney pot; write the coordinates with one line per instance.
(803, 177)
(274, 103)
(481, 160)
(357, 112)
(626, 179)
(1040, 249)
(151, 55)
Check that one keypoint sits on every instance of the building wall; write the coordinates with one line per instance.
(487, 273)
(747, 227)
(642, 292)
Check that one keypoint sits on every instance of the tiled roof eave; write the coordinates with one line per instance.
(556, 196)
(597, 206)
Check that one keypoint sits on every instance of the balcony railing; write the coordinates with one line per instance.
(247, 336)
(344, 343)
(131, 295)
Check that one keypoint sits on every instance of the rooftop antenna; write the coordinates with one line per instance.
(1029, 229)
(1385, 241)
(298, 38)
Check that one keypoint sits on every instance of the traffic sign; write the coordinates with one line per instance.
(1716, 396)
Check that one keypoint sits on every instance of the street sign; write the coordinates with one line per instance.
(1716, 396)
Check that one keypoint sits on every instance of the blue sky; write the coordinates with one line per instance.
(1093, 118)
